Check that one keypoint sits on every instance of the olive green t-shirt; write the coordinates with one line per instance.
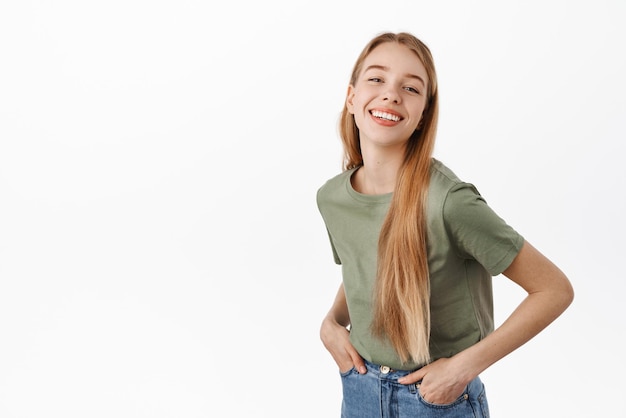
(468, 243)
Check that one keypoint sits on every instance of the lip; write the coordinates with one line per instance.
(385, 122)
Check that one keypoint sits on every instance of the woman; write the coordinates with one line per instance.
(412, 327)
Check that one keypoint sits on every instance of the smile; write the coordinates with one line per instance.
(384, 115)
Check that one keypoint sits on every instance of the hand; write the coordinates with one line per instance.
(441, 382)
(336, 339)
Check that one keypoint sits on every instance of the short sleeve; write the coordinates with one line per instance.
(477, 232)
(332, 245)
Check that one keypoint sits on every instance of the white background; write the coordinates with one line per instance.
(161, 253)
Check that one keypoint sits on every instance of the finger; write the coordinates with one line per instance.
(359, 364)
(357, 360)
(349, 358)
(416, 376)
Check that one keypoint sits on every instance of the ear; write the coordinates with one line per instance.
(349, 99)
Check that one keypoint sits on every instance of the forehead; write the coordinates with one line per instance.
(396, 57)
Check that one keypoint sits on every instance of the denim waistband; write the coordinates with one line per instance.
(385, 372)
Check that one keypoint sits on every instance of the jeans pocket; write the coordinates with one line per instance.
(462, 398)
(348, 372)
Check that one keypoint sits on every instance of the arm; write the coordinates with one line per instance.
(549, 294)
(336, 337)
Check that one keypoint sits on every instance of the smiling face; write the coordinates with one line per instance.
(389, 95)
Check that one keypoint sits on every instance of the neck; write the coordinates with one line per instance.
(379, 172)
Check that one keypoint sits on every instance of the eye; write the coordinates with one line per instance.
(375, 79)
(412, 90)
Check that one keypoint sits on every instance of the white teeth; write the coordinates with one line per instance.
(385, 115)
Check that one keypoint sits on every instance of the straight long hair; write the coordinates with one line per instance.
(401, 301)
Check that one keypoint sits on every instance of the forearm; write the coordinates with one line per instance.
(549, 294)
(535, 313)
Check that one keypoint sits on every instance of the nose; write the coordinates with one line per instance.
(392, 95)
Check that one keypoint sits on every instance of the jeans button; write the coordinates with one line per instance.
(384, 369)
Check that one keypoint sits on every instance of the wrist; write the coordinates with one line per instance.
(466, 367)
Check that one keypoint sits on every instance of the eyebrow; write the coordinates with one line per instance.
(384, 68)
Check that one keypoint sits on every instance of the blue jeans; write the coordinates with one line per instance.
(377, 394)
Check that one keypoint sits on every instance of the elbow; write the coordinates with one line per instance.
(565, 293)
(570, 294)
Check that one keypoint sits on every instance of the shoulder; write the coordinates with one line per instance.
(443, 181)
(334, 185)
(450, 197)
(333, 191)
(440, 170)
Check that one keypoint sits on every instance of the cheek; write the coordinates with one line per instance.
(421, 111)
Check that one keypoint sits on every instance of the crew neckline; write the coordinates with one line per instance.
(362, 197)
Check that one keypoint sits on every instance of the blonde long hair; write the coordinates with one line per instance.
(402, 290)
